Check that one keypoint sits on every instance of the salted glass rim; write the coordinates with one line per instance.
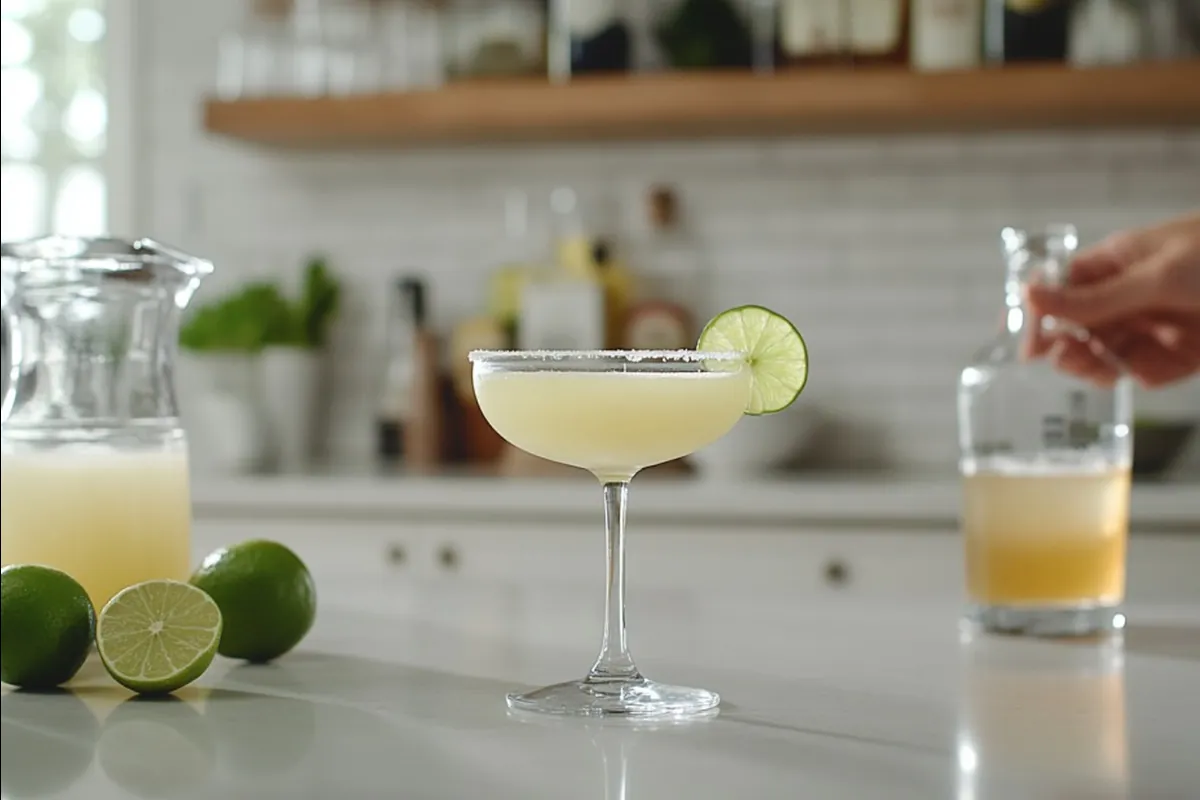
(626, 356)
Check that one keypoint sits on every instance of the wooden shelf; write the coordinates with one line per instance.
(726, 104)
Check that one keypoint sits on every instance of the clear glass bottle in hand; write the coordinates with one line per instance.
(1045, 463)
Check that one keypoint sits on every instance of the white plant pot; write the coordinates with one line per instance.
(759, 445)
(290, 380)
(220, 408)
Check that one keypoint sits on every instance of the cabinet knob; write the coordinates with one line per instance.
(837, 572)
(396, 554)
(448, 557)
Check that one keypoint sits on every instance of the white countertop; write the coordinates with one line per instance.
(894, 501)
(845, 703)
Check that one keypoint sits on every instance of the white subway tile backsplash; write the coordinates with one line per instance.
(883, 249)
(1109, 148)
(1185, 146)
(1159, 185)
(837, 154)
(1020, 149)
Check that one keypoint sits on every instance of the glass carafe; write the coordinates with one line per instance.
(94, 477)
(1045, 462)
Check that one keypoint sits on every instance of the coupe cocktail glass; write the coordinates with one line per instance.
(612, 413)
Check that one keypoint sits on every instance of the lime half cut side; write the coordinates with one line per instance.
(158, 636)
(774, 348)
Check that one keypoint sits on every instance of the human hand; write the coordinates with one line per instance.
(1137, 294)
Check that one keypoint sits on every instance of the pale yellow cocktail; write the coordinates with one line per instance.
(613, 423)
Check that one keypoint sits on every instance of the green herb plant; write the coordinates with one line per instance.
(706, 34)
(261, 316)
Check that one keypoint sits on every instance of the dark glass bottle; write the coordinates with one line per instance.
(596, 34)
(406, 317)
(1026, 30)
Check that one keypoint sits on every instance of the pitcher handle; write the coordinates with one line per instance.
(10, 333)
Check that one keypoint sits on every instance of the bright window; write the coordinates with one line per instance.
(55, 174)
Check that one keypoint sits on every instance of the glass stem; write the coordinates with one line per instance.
(614, 661)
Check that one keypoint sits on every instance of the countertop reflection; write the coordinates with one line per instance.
(855, 703)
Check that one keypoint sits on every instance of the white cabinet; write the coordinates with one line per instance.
(1164, 567)
(405, 561)
(855, 561)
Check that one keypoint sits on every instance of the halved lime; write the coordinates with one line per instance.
(158, 636)
(774, 348)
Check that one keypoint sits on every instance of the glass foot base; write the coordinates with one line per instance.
(631, 698)
(1049, 622)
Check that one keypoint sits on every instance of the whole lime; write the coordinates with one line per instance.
(46, 626)
(266, 596)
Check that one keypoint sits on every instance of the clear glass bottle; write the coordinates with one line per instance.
(814, 32)
(945, 34)
(879, 32)
(1045, 463)
(590, 37)
(1026, 30)
(95, 462)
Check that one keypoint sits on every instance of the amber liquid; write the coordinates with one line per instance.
(1046, 539)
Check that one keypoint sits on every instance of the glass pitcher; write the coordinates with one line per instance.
(1045, 461)
(95, 479)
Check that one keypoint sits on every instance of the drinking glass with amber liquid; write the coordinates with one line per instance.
(1045, 464)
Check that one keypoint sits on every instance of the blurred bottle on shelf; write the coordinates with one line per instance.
(711, 34)
(518, 259)
(764, 34)
(1026, 30)
(475, 441)
(562, 303)
(1172, 29)
(678, 280)
(253, 59)
(571, 241)
(946, 34)
(878, 33)
(408, 424)
(617, 283)
(589, 37)
(814, 32)
(495, 38)
(335, 49)
(317, 48)
(412, 43)
(1105, 32)
(658, 325)
(821, 33)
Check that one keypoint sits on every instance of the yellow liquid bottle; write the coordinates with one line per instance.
(1045, 464)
